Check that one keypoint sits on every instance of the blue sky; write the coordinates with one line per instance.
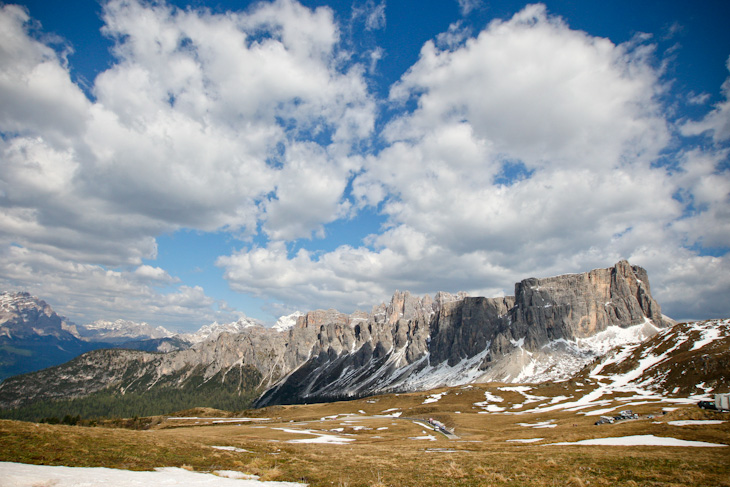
(182, 162)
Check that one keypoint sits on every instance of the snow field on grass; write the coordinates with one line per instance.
(543, 424)
(491, 408)
(318, 437)
(525, 440)
(434, 398)
(692, 422)
(640, 440)
(231, 448)
(23, 475)
(217, 420)
(424, 437)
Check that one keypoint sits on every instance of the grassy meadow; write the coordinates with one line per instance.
(379, 441)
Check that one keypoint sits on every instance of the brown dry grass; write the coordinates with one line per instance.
(382, 453)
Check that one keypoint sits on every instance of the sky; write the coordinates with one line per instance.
(186, 162)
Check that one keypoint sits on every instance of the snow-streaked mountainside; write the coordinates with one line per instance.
(556, 360)
(686, 359)
(550, 329)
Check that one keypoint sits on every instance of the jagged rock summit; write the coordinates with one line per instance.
(548, 330)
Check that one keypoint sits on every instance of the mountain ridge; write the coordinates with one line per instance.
(411, 343)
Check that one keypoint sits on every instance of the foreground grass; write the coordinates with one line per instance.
(391, 457)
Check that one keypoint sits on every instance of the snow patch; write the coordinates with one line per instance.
(23, 475)
(640, 440)
(692, 422)
(318, 437)
(543, 424)
(425, 437)
(231, 448)
(434, 398)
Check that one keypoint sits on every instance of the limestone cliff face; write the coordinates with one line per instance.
(409, 343)
(416, 343)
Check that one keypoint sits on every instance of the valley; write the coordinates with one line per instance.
(576, 380)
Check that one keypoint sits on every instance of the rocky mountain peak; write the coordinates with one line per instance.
(24, 315)
(287, 322)
(119, 330)
(214, 330)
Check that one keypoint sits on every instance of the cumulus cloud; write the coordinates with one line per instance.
(87, 292)
(203, 121)
(528, 149)
(717, 122)
(533, 150)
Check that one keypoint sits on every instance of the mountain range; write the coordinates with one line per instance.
(33, 336)
(549, 330)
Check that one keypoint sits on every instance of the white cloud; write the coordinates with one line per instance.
(201, 122)
(717, 122)
(35, 90)
(532, 151)
(154, 274)
(467, 6)
(371, 13)
(87, 292)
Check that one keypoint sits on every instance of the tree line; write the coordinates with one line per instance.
(235, 393)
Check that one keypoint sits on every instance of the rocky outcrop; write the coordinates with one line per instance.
(417, 343)
(549, 329)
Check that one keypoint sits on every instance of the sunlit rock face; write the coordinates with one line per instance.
(416, 343)
(548, 330)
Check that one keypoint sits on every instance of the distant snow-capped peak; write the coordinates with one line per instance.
(123, 329)
(286, 322)
(212, 331)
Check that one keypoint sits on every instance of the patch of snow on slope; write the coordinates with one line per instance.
(318, 437)
(710, 332)
(560, 359)
(640, 440)
(490, 398)
(441, 375)
(543, 424)
(693, 422)
(22, 475)
(434, 398)
(425, 437)
(230, 448)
